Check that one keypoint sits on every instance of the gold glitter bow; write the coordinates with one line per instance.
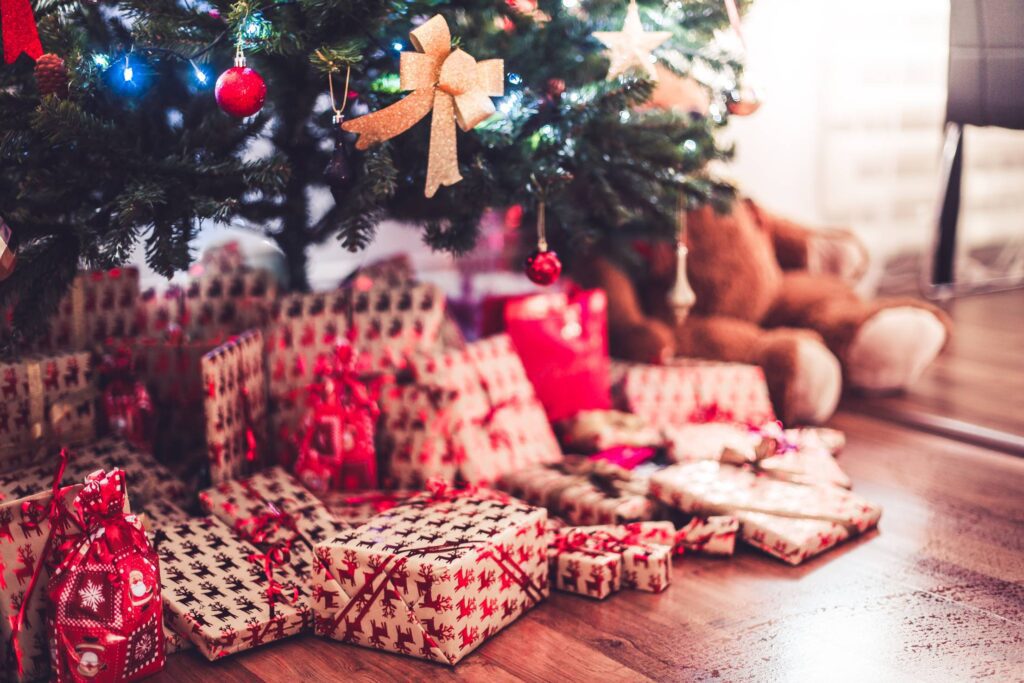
(458, 89)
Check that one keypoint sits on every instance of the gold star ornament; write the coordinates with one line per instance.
(631, 47)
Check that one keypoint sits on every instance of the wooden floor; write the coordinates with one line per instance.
(936, 594)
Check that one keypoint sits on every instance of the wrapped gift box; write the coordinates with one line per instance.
(790, 521)
(801, 456)
(356, 509)
(214, 588)
(581, 499)
(228, 303)
(388, 323)
(687, 391)
(475, 417)
(23, 537)
(98, 305)
(235, 406)
(239, 503)
(44, 398)
(147, 479)
(715, 535)
(592, 431)
(432, 578)
(611, 557)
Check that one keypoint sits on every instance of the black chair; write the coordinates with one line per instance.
(986, 88)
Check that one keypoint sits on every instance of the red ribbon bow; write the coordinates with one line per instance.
(20, 32)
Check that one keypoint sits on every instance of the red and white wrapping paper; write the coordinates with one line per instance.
(105, 614)
(790, 521)
(390, 323)
(433, 577)
(715, 535)
(687, 391)
(45, 398)
(23, 535)
(241, 503)
(599, 560)
(228, 303)
(473, 414)
(235, 406)
(215, 589)
(801, 456)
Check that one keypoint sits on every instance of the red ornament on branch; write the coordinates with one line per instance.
(337, 449)
(240, 91)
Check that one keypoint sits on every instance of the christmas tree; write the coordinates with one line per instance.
(115, 137)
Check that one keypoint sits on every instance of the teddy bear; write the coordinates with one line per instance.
(769, 292)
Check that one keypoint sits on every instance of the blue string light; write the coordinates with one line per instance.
(101, 61)
(515, 79)
(397, 46)
(202, 78)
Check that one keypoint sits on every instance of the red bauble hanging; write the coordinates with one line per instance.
(240, 90)
(542, 266)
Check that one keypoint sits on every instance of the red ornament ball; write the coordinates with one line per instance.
(543, 267)
(240, 91)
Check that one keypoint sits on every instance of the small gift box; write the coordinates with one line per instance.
(356, 509)
(791, 454)
(25, 526)
(607, 558)
(483, 420)
(235, 406)
(221, 593)
(250, 506)
(148, 480)
(44, 398)
(105, 615)
(433, 577)
(788, 520)
(688, 391)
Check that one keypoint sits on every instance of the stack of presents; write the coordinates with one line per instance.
(365, 474)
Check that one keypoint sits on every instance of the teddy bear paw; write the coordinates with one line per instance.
(893, 347)
(816, 385)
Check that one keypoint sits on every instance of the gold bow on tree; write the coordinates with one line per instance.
(452, 83)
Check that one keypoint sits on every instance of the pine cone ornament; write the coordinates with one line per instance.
(52, 76)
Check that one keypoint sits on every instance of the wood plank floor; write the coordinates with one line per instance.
(979, 379)
(936, 594)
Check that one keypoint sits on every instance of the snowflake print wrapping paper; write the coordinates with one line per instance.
(787, 520)
(105, 614)
(432, 578)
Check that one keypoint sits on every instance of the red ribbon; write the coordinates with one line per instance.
(33, 514)
(20, 32)
(257, 530)
(711, 412)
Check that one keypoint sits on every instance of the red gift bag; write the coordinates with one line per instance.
(563, 342)
(106, 617)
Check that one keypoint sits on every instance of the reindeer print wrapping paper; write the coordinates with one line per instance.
(235, 406)
(597, 561)
(228, 303)
(44, 398)
(787, 520)
(472, 415)
(214, 588)
(686, 391)
(241, 502)
(389, 323)
(432, 579)
(22, 539)
(147, 479)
